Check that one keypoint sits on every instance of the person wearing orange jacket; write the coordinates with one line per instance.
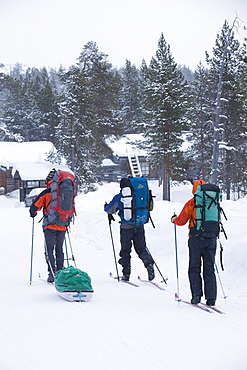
(201, 249)
(54, 234)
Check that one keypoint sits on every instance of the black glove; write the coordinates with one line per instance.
(33, 214)
(110, 218)
(174, 216)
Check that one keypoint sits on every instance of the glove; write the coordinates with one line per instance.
(174, 216)
(33, 214)
(110, 218)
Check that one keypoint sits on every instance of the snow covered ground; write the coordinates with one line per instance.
(122, 327)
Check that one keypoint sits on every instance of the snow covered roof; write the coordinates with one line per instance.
(3, 165)
(108, 162)
(28, 158)
(123, 147)
(35, 171)
(32, 151)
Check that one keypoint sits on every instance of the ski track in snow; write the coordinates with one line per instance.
(122, 326)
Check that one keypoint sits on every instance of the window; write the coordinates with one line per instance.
(32, 184)
(144, 169)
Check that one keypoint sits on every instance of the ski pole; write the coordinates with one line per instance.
(48, 259)
(113, 247)
(72, 255)
(176, 253)
(221, 256)
(163, 279)
(66, 250)
(31, 266)
(218, 274)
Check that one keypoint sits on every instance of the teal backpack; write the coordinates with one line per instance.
(208, 211)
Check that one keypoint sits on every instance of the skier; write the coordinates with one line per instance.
(53, 234)
(200, 249)
(129, 233)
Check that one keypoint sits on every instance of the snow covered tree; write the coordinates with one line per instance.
(130, 101)
(188, 73)
(7, 84)
(21, 114)
(31, 110)
(199, 154)
(46, 98)
(164, 105)
(230, 110)
(88, 113)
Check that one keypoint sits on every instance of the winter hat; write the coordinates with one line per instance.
(196, 183)
(124, 182)
(50, 175)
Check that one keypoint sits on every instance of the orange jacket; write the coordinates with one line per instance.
(43, 201)
(188, 212)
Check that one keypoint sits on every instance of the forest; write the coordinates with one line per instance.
(78, 108)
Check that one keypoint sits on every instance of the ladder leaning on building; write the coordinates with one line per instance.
(134, 165)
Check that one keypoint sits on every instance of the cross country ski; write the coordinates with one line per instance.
(203, 307)
(123, 281)
(151, 283)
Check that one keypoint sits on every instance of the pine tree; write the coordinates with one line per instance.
(7, 84)
(130, 100)
(88, 113)
(199, 154)
(164, 106)
(21, 114)
(46, 98)
(230, 111)
(31, 111)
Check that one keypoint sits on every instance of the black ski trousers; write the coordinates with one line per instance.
(54, 241)
(202, 250)
(135, 235)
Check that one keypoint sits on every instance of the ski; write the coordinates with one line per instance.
(213, 308)
(123, 281)
(47, 282)
(203, 308)
(151, 283)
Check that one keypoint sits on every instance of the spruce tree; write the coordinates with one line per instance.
(7, 86)
(230, 111)
(46, 98)
(88, 106)
(164, 105)
(199, 154)
(130, 102)
(21, 114)
(31, 111)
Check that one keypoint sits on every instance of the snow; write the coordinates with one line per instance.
(123, 146)
(108, 162)
(122, 327)
(29, 159)
(39, 171)
(32, 151)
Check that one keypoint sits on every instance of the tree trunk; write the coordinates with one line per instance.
(215, 169)
(228, 175)
(166, 182)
